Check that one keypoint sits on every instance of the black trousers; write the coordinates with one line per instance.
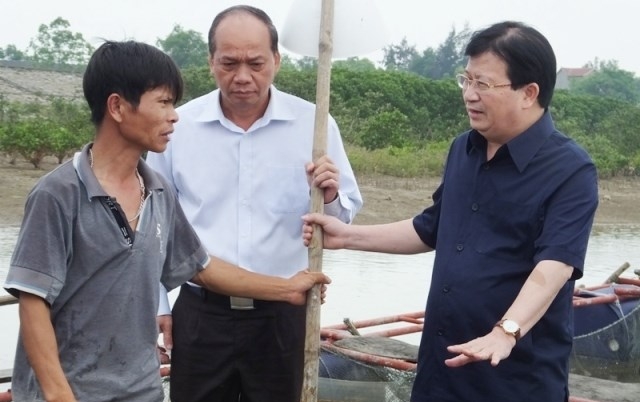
(225, 355)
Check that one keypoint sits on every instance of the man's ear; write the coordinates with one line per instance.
(115, 107)
(210, 62)
(277, 59)
(531, 92)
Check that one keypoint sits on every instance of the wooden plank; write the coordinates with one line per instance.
(380, 346)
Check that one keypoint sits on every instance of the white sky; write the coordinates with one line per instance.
(579, 30)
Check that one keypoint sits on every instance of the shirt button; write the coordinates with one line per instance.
(440, 332)
(474, 207)
(446, 289)
(486, 166)
(459, 247)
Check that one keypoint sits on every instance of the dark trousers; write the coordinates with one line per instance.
(225, 355)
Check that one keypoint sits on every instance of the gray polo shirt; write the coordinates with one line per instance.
(103, 291)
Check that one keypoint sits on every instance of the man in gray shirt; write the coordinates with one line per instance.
(100, 232)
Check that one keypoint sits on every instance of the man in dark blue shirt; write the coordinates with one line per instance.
(510, 223)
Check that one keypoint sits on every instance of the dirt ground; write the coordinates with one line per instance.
(386, 198)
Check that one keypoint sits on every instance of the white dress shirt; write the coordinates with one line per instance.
(244, 192)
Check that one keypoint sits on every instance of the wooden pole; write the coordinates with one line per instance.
(613, 278)
(8, 299)
(312, 335)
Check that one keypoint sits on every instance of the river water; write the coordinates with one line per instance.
(370, 285)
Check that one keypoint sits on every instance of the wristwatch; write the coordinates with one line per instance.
(509, 327)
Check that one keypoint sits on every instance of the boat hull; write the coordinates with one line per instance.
(607, 341)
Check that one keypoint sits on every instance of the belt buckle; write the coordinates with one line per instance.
(241, 303)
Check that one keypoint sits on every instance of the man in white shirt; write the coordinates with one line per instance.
(239, 164)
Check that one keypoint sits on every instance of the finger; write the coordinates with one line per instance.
(324, 179)
(457, 361)
(457, 349)
(167, 336)
(164, 357)
(330, 195)
(330, 181)
(495, 360)
(308, 167)
(323, 293)
(163, 354)
(314, 217)
(325, 163)
(320, 278)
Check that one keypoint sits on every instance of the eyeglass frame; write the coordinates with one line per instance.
(464, 82)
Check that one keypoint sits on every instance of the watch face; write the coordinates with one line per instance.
(510, 326)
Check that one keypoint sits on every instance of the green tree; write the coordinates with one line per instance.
(307, 63)
(398, 122)
(10, 114)
(384, 129)
(399, 57)
(197, 82)
(581, 114)
(287, 62)
(424, 63)
(31, 139)
(301, 83)
(11, 52)
(35, 130)
(449, 58)
(610, 81)
(604, 154)
(354, 64)
(621, 127)
(70, 129)
(439, 63)
(55, 44)
(186, 47)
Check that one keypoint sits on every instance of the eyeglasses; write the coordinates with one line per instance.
(464, 82)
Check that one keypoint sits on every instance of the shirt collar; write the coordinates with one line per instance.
(82, 164)
(523, 147)
(277, 109)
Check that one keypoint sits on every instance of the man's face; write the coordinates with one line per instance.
(150, 124)
(495, 111)
(243, 64)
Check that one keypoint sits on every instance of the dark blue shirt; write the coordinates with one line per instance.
(490, 224)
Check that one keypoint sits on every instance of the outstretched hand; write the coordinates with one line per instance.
(495, 347)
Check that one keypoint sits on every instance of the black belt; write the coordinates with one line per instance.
(233, 302)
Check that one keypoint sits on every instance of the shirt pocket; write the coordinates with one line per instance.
(287, 190)
(508, 230)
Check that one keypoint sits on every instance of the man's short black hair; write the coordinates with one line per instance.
(129, 69)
